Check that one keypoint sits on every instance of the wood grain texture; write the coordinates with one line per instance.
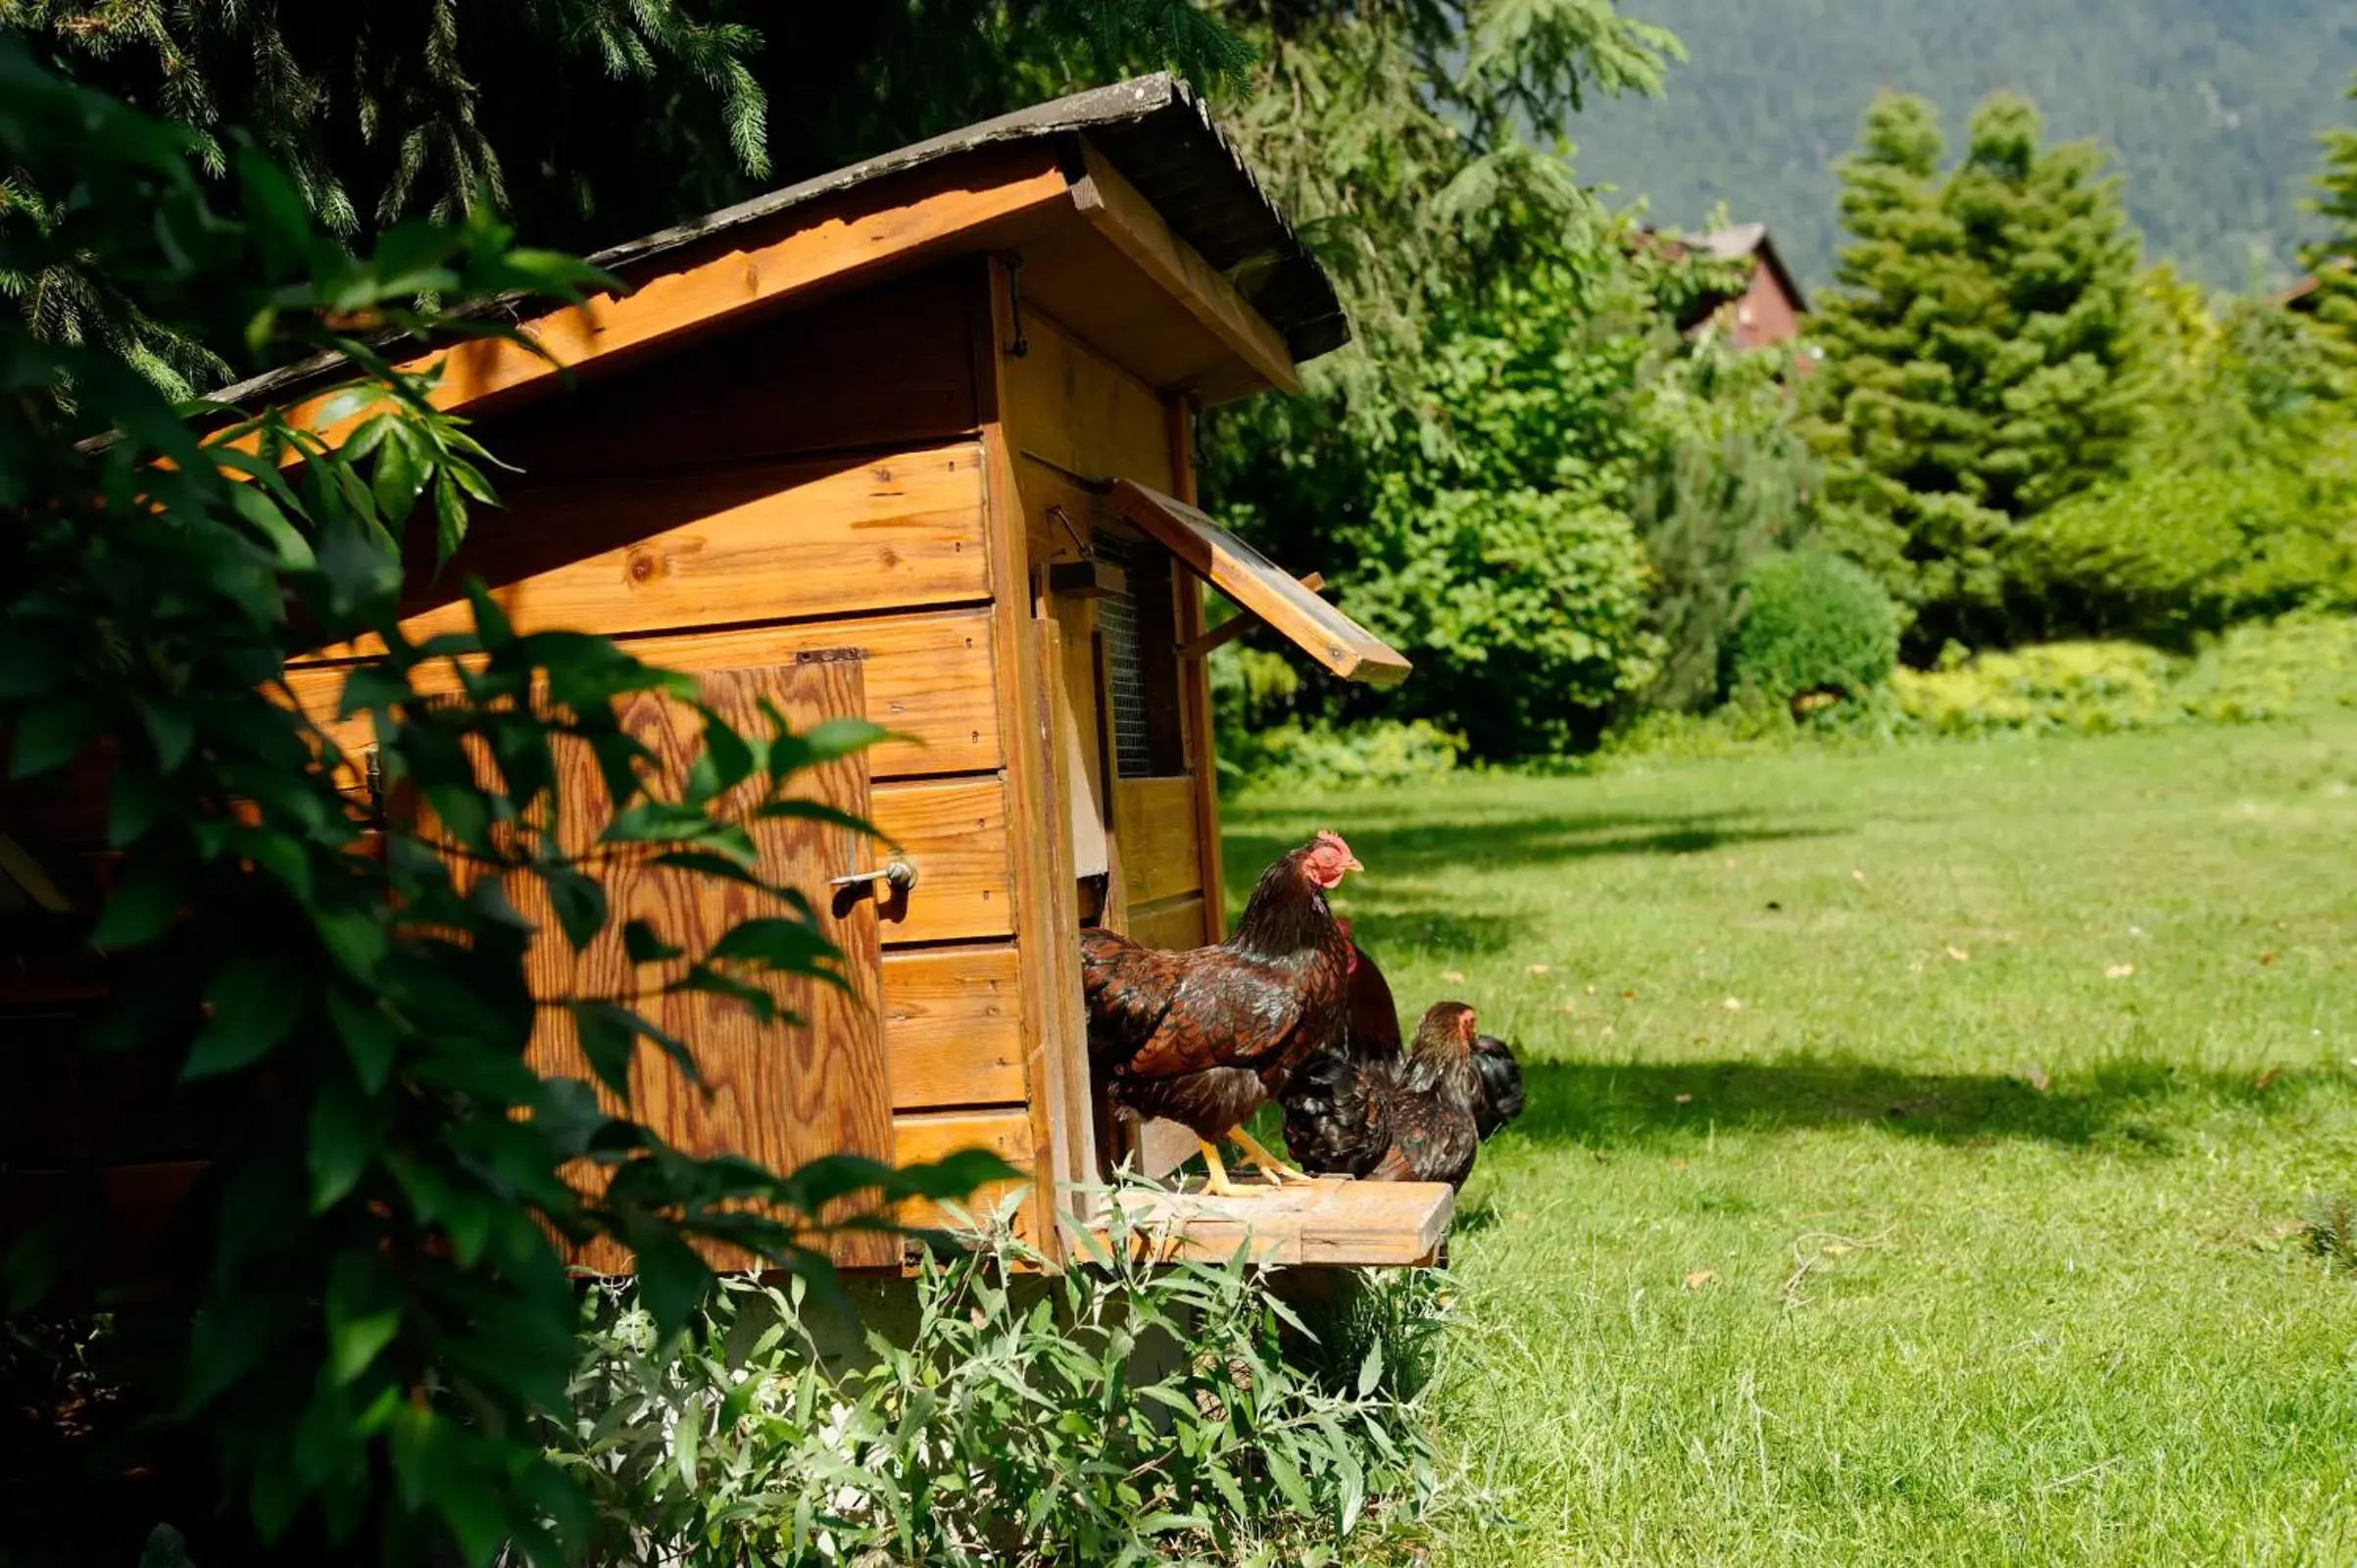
(884, 367)
(931, 680)
(956, 833)
(778, 1094)
(951, 1027)
(741, 545)
(1117, 211)
(1055, 1045)
(1160, 853)
(1261, 586)
(982, 202)
(1194, 689)
(1069, 646)
(1004, 1131)
(1063, 1114)
(1335, 1223)
(1068, 407)
(1176, 923)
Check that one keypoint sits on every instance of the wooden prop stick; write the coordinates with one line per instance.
(1236, 625)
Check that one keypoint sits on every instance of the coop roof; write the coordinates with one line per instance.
(1141, 163)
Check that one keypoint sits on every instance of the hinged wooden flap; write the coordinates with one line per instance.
(1261, 586)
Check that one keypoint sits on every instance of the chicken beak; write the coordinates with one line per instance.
(1353, 864)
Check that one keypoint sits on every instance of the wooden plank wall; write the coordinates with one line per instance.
(817, 482)
(781, 1098)
(1071, 417)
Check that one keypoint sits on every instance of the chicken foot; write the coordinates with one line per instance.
(1215, 1179)
(1273, 1170)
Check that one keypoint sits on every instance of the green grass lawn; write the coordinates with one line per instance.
(1917, 1148)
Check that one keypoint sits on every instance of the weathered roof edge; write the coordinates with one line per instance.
(1739, 240)
(1156, 130)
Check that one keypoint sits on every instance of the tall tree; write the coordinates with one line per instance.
(1981, 352)
(592, 120)
(1462, 470)
(583, 122)
(1408, 138)
(2332, 261)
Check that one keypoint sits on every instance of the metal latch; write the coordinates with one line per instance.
(897, 877)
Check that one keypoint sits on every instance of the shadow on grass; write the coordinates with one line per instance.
(2122, 1103)
(1251, 840)
(1403, 922)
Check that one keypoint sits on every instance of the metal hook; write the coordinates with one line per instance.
(1063, 519)
(1013, 262)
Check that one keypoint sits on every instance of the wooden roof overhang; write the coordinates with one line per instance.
(1133, 222)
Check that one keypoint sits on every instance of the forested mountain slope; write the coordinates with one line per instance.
(2212, 107)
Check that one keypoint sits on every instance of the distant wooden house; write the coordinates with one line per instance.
(915, 440)
(2307, 296)
(1771, 306)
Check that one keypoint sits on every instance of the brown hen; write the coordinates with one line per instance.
(1205, 1036)
(1413, 1119)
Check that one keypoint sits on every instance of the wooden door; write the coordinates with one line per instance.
(780, 1094)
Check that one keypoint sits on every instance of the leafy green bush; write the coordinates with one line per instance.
(1341, 757)
(1115, 1412)
(1728, 483)
(1810, 624)
(1483, 523)
(2254, 672)
(2081, 687)
(2301, 663)
(362, 1301)
(1525, 609)
(2168, 553)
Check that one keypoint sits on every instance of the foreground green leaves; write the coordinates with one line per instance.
(1119, 1411)
(363, 1297)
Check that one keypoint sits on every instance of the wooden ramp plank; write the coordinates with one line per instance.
(1335, 1223)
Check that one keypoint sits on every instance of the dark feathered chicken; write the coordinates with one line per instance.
(1204, 1037)
(1373, 1017)
(1502, 1084)
(1374, 1036)
(1420, 1119)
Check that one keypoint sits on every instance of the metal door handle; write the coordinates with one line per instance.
(897, 877)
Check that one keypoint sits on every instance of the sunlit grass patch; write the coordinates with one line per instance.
(1925, 1154)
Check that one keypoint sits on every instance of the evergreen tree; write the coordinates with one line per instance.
(1980, 353)
(583, 122)
(2333, 260)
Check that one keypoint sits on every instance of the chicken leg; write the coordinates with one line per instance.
(1215, 1178)
(1273, 1170)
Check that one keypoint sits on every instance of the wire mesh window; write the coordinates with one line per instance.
(1141, 659)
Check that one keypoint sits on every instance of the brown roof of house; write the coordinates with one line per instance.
(2302, 295)
(1741, 240)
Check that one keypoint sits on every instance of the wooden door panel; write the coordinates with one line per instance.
(778, 1094)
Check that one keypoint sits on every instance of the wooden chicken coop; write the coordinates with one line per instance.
(914, 440)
